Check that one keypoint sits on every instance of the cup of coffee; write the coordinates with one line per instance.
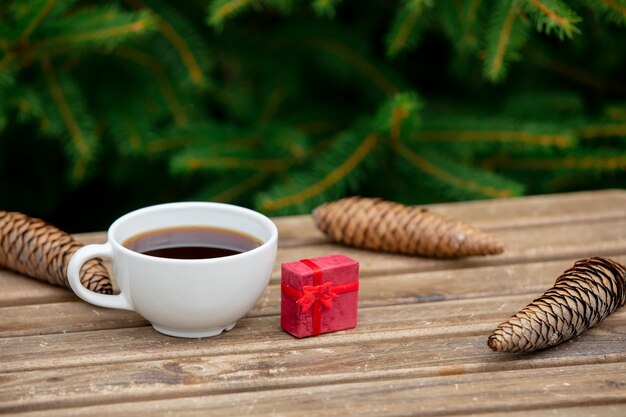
(190, 269)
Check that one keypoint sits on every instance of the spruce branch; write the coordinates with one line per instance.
(168, 91)
(279, 149)
(505, 35)
(347, 54)
(471, 129)
(405, 30)
(613, 10)
(594, 161)
(221, 10)
(79, 124)
(103, 26)
(462, 23)
(461, 179)
(190, 163)
(560, 140)
(328, 176)
(42, 8)
(553, 15)
(606, 130)
(200, 137)
(393, 116)
(232, 187)
(166, 21)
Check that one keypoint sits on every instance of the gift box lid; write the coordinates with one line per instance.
(336, 268)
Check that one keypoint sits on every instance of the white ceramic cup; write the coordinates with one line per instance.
(184, 297)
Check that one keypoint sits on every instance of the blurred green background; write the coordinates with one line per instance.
(280, 105)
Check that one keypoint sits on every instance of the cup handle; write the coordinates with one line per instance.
(73, 269)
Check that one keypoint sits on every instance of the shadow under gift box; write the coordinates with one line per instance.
(319, 295)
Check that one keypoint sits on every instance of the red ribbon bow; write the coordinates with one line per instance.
(317, 295)
(311, 293)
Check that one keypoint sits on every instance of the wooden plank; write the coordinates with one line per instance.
(16, 289)
(72, 316)
(296, 231)
(604, 410)
(538, 210)
(409, 355)
(259, 334)
(531, 279)
(397, 356)
(531, 244)
(540, 243)
(521, 389)
(494, 214)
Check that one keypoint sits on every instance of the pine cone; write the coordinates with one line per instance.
(34, 248)
(581, 297)
(391, 227)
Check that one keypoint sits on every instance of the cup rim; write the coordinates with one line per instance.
(191, 204)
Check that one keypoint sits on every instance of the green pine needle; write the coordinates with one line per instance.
(458, 179)
(505, 35)
(79, 125)
(487, 132)
(401, 110)
(462, 23)
(590, 162)
(220, 148)
(404, 33)
(185, 40)
(553, 16)
(104, 26)
(406, 27)
(327, 176)
(613, 10)
(221, 10)
(231, 188)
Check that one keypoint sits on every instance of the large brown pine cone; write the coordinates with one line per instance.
(35, 248)
(581, 297)
(380, 225)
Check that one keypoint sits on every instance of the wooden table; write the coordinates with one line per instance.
(420, 346)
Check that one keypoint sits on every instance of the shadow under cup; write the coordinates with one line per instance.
(189, 297)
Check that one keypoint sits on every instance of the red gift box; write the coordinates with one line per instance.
(319, 295)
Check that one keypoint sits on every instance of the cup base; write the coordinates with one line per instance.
(193, 334)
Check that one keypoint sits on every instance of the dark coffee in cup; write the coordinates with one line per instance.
(191, 242)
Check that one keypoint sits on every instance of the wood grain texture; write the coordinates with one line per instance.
(299, 238)
(421, 287)
(493, 214)
(205, 375)
(419, 349)
(258, 334)
(430, 396)
(536, 243)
